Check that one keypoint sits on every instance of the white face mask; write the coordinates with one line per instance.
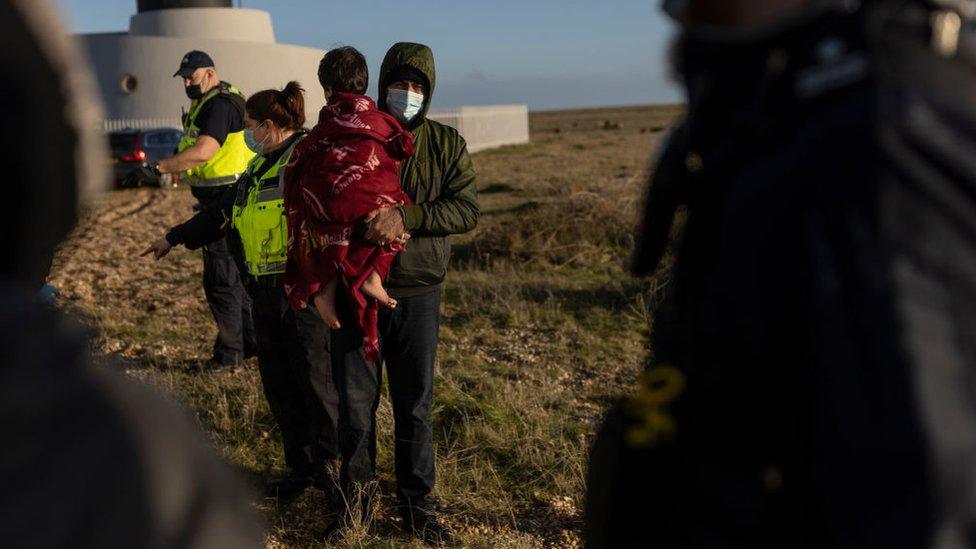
(404, 105)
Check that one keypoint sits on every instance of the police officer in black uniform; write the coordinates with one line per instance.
(212, 155)
(812, 382)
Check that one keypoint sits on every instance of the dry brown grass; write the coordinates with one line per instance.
(541, 328)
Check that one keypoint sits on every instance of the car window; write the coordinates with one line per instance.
(122, 143)
(163, 138)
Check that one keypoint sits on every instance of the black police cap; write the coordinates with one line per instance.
(193, 61)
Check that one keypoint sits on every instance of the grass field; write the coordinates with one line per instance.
(541, 329)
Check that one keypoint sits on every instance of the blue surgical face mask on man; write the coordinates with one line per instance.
(404, 105)
(253, 144)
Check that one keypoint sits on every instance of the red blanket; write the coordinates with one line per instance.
(346, 168)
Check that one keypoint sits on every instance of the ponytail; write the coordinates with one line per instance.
(286, 108)
(294, 102)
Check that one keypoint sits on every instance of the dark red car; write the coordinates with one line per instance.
(134, 148)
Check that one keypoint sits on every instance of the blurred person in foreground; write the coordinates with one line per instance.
(813, 379)
(440, 180)
(89, 458)
(293, 346)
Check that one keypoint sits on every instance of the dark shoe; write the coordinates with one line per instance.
(288, 487)
(423, 524)
(327, 481)
(330, 534)
(330, 488)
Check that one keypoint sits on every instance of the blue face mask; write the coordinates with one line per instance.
(252, 143)
(404, 105)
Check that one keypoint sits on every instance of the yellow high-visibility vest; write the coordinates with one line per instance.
(230, 161)
(259, 216)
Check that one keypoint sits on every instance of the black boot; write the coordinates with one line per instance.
(327, 480)
(331, 533)
(353, 506)
(288, 487)
(424, 525)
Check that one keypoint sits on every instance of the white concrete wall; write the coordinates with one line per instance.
(242, 25)
(241, 43)
(482, 127)
(251, 66)
(488, 126)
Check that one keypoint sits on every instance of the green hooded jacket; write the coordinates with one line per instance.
(440, 179)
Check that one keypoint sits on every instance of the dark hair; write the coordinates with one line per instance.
(286, 108)
(344, 70)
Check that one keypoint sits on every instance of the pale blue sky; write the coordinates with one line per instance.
(547, 53)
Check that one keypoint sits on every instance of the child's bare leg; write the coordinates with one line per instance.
(325, 304)
(373, 287)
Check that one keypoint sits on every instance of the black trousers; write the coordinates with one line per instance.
(408, 342)
(296, 372)
(229, 303)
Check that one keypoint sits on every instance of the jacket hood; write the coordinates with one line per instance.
(416, 56)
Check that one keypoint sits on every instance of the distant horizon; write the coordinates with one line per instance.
(548, 55)
(604, 107)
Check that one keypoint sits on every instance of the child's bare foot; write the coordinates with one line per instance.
(373, 287)
(325, 304)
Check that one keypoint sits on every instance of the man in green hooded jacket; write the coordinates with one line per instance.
(440, 180)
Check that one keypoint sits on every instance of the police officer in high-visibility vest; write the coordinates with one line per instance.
(211, 156)
(293, 353)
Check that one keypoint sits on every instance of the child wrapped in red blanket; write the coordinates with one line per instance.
(346, 168)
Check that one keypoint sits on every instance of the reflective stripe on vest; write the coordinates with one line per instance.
(215, 182)
(229, 161)
(259, 217)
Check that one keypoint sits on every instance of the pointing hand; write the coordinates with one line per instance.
(158, 248)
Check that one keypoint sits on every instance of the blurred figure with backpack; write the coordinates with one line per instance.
(813, 379)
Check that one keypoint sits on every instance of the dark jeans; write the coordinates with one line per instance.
(295, 366)
(408, 342)
(229, 303)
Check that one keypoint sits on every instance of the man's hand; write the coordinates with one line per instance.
(385, 225)
(140, 175)
(201, 151)
(158, 248)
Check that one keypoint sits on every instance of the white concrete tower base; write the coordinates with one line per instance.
(135, 70)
